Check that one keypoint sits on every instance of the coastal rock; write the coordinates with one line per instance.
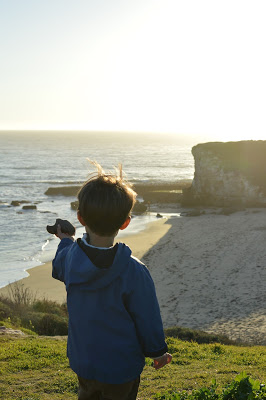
(15, 203)
(163, 196)
(62, 191)
(139, 207)
(167, 192)
(229, 174)
(74, 205)
(159, 216)
(30, 207)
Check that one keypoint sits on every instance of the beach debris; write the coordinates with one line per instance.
(66, 227)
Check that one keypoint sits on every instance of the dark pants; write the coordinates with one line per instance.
(94, 390)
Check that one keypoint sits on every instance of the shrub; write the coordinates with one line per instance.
(242, 388)
(21, 310)
(46, 324)
(198, 336)
(5, 310)
(50, 307)
(21, 295)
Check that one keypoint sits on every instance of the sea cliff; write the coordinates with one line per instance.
(229, 174)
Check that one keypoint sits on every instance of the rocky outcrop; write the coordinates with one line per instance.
(148, 191)
(140, 207)
(29, 207)
(226, 174)
(9, 331)
(16, 203)
(62, 191)
(74, 205)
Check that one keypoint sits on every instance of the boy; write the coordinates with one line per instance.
(114, 317)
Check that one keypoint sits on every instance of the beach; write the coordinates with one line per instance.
(209, 271)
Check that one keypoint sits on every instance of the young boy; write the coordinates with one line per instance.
(114, 316)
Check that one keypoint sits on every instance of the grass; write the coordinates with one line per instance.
(36, 368)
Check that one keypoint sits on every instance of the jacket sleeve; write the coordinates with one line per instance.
(142, 305)
(58, 262)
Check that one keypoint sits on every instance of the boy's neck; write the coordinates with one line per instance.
(100, 241)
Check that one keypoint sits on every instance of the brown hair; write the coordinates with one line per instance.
(105, 201)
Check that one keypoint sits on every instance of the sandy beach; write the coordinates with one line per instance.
(209, 271)
(42, 284)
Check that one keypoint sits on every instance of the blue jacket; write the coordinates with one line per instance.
(114, 316)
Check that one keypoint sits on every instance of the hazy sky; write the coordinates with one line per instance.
(189, 67)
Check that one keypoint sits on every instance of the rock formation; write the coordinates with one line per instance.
(9, 331)
(229, 174)
(30, 207)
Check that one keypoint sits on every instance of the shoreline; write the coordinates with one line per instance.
(209, 270)
(41, 283)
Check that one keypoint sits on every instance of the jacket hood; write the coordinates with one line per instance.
(80, 269)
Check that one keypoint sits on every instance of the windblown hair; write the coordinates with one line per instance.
(105, 201)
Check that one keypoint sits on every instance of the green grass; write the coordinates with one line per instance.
(36, 368)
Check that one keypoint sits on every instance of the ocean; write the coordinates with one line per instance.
(31, 162)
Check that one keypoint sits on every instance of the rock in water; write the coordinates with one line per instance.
(15, 203)
(30, 207)
(74, 205)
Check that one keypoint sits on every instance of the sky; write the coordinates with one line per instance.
(186, 67)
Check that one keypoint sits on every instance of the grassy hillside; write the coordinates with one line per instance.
(36, 368)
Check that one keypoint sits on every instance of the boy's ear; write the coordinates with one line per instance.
(125, 224)
(81, 220)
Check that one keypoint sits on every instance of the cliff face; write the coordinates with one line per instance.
(232, 173)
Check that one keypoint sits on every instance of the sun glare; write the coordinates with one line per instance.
(157, 67)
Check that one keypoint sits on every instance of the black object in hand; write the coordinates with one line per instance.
(66, 227)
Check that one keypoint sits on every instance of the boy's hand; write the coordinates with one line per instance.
(160, 362)
(62, 235)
